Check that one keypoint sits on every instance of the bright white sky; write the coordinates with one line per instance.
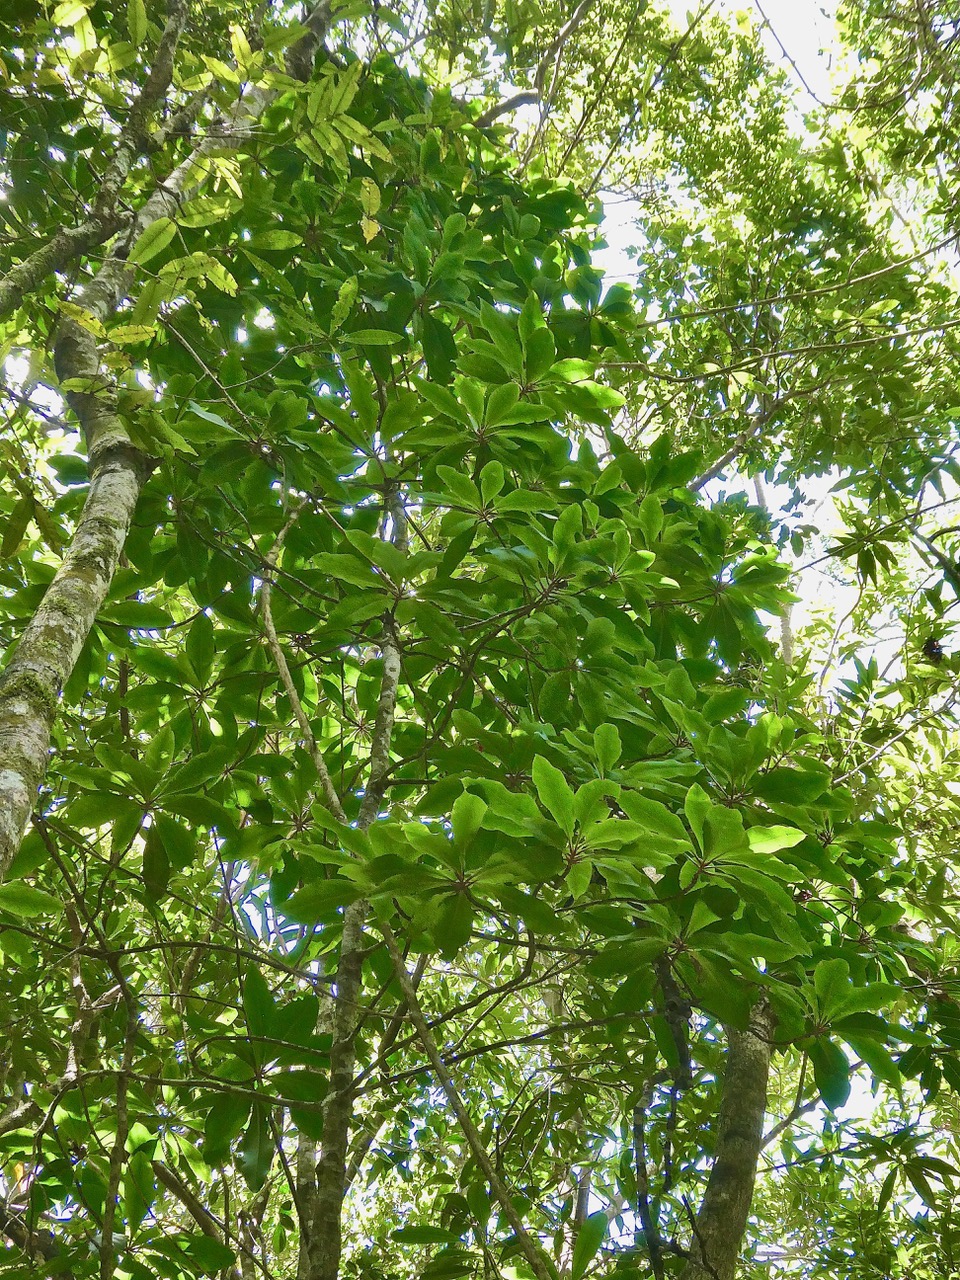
(803, 31)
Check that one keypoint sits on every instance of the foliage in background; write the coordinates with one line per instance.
(450, 839)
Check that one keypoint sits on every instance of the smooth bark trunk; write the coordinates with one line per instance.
(320, 1260)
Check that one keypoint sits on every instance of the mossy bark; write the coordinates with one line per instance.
(31, 684)
(717, 1233)
(33, 680)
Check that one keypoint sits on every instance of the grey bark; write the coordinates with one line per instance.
(320, 1258)
(717, 1231)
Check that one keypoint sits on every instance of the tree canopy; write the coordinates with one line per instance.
(479, 770)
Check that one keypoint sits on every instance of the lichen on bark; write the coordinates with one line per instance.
(717, 1231)
(53, 638)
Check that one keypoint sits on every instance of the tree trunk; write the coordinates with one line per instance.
(32, 682)
(320, 1260)
(718, 1230)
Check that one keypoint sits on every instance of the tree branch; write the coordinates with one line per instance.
(526, 98)
(320, 1249)
(531, 1250)
(32, 682)
(273, 643)
(34, 1243)
(105, 218)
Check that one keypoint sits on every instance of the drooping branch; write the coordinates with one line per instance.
(526, 98)
(750, 432)
(549, 63)
(718, 1228)
(194, 1206)
(197, 1210)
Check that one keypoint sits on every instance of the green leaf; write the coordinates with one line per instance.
(275, 239)
(831, 981)
(179, 842)
(491, 481)
(607, 746)
(424, 1235)
(791, 786)
(139, 1188)
(138, 615)
(555, 796)
(258, 1003)
(16, 527)
(346, 297)
(578, 877)
(918, 1180)
(153, 239)
(886, 1189)
(300, 1086)
(373, 337)
(466, 818)
(257, 1148)
(697, 806)
(156, 865)
(770, 839)
(225, 1120)
(868, 999)
(26, 902)
(541, 351)
(200, 646)
(453, 925)
(69, 13)
(320, 898)
(136, 21)
(210, 1255)
(661, 825)
(875, 1056)
(348, 568)
(589, 1239)
(831, 1071)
